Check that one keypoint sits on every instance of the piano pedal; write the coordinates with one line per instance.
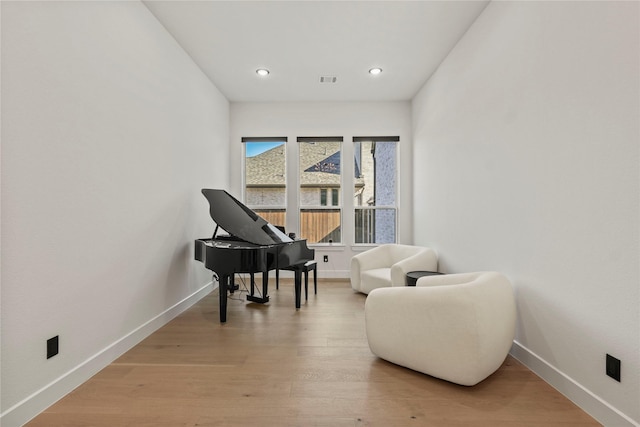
(259, 300)
(233, 288)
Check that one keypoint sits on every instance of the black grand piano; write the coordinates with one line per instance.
(252, 245)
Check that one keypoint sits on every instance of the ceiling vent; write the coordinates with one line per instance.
(328, 79)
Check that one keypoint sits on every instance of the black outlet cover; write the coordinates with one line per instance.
(52, 347)
(613, 367)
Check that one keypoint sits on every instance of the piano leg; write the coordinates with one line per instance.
(298, 285)
(265, 284)
(224, 283)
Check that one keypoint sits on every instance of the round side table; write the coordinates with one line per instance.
(413, 276)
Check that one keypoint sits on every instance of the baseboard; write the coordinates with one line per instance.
(602, 411)
(335, 274)
(30, 407)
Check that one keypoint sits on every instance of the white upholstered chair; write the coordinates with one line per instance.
(387, 265)
(457, 327)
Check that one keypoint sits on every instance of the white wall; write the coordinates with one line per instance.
(346, 119)
(109, 131)
(526, 161)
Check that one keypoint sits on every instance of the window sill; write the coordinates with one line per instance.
(361, 247)
(327, 246)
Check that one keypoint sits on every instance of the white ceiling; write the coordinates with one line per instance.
(299, 41)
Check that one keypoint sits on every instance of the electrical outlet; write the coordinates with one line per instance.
(613, 367)
(326, 258)
(52, 346)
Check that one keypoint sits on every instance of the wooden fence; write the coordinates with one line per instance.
(317, 226)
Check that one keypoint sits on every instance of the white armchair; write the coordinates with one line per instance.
(387, 265)
(457, 327)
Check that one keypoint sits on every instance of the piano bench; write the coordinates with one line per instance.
(305, 268)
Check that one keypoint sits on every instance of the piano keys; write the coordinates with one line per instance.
(252, 245)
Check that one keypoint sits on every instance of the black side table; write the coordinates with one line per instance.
(413, 276)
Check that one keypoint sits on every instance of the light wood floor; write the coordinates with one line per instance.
(272, 366)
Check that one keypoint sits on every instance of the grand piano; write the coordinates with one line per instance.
(252, 245)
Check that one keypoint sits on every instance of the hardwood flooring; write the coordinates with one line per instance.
(272, 366)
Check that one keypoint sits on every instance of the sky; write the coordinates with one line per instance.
(255, 148)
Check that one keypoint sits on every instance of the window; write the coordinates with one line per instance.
(375, 199)
(264, 177)
(334, 197)
(334, 201)
(320, 183)
(319, 187)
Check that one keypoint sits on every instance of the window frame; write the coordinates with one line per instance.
(272, 207)
(293, 207)
(328, 207)
(395, 207)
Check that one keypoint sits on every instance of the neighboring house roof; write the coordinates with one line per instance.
(319, 163)
(331, 165)
(266, 169)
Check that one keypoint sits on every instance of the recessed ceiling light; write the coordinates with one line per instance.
(375, 71)
(262, 72)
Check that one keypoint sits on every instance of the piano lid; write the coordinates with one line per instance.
(240, 221)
